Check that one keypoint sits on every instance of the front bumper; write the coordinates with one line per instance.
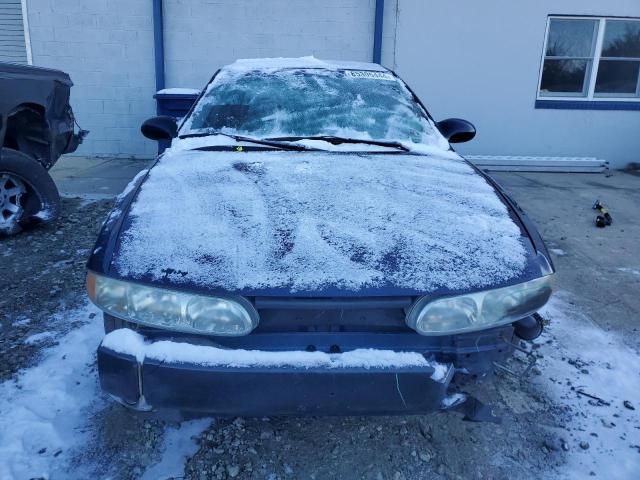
(286, 390)
(143, 381)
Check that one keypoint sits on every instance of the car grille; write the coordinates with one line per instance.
(378, 314)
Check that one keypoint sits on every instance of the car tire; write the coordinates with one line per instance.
(28, 194)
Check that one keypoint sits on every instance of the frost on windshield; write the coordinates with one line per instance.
(313, 102)
(307, 222)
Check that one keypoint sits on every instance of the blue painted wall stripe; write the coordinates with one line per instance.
(377, 32)
(158, 43)
(586, 105)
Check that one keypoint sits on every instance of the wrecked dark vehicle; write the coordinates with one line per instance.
(311, 244)
(36, 128)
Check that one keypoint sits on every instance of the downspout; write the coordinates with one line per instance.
(158, 43)
(377, 32)
(27, 32)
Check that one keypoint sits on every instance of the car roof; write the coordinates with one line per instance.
(252, 64)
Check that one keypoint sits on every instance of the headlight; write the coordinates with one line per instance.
(479, 310)
(173, 310)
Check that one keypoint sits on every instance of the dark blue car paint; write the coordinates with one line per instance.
(231, 391)
(306, 320)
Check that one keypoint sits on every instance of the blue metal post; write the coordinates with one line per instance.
(377, 32)
(158, 43)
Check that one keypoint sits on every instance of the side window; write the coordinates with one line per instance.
(591, 58)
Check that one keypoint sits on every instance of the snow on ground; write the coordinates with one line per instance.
(633, 271)
(43, 411)
(38, 337)
(21, 321)
(46, 413)
(179, 444)
(584, 358)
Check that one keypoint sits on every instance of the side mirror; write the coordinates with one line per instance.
(456, 130)
(162, 127)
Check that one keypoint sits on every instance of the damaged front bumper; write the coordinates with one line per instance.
(138, 378)
(257, 391)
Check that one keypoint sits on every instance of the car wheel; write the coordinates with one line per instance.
(28, 194)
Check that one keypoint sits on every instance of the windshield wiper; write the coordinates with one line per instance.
(239, 138)
(338, 140)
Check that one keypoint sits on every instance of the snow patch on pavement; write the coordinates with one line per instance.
(43, 411)
(581, 357)
(38, 337)
(21, 322)
(180, 443)
(633, 271)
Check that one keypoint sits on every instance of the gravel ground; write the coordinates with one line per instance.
(45, 274)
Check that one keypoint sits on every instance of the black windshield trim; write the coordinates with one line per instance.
(340, 140)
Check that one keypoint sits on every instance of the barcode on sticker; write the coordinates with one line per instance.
(368, 74)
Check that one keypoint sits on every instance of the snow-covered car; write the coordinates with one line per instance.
(311, 244)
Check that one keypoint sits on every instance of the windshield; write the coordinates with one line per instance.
(357, 104)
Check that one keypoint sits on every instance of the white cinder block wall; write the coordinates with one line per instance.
(107, 48)
(203, 35)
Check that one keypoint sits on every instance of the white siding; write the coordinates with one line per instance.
(12, 42)
(481, 61)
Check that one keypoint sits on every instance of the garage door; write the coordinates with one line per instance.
(12, 42)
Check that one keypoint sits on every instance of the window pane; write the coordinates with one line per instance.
(617, 76)
(621, 39)
(564, 76)
(571, 38)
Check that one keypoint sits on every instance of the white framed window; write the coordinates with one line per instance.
(591, 58)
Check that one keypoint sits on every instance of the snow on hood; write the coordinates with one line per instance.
(310, 221)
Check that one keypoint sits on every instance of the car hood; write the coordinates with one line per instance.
(316, 223)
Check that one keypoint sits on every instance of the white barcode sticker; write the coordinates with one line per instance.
(368, 74)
